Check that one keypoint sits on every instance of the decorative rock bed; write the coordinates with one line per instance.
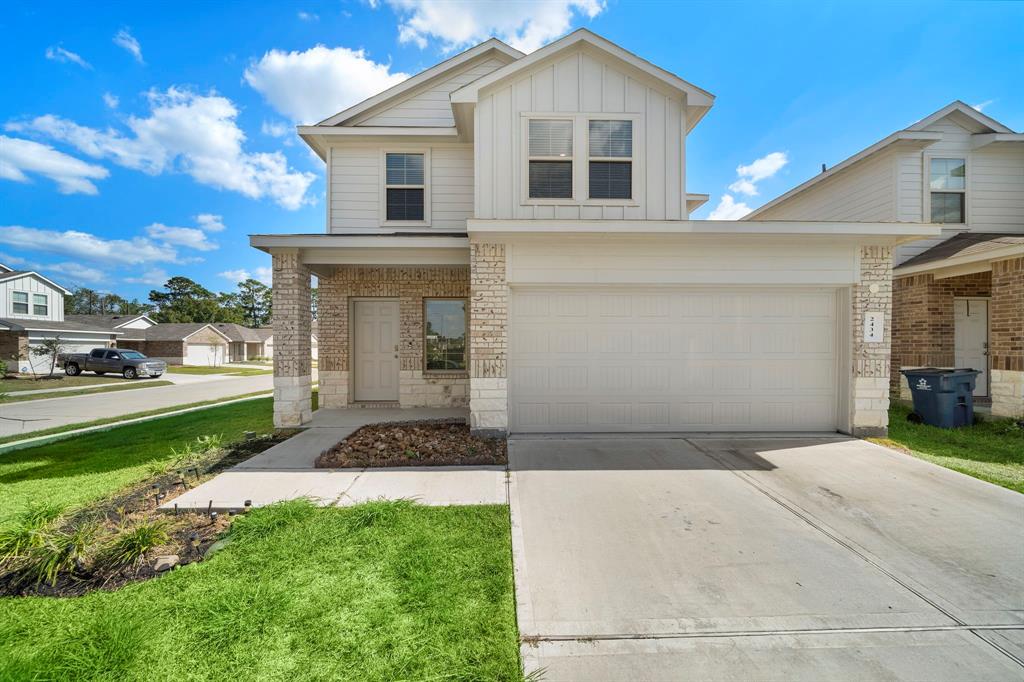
(431, 442)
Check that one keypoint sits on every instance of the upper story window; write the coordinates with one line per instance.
(405, 187)
(611, 159)
(19, 302)
(948, 188)
(550, 158)
(40, 304)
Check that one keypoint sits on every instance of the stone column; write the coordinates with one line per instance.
(332, 323)
(871, 361)
(1006, 338)
(292, 352)
(488, 340)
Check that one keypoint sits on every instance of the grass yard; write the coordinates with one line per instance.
(383, 591)
(230, 371)
(992, 450)
(94, 465)
(28, 384)
(123, 386)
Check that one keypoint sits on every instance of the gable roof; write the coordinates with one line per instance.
(967, 246)
(20, 324)
(108, 321)
(238, 333)
(15, 274)
(171, 331)
(915, 136)
(698, 100)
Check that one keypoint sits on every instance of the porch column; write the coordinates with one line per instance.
(291, 322)
(870, 377)
(332, 347)
(488, 340)
(1006, 338)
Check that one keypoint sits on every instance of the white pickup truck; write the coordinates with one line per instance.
(131, 364)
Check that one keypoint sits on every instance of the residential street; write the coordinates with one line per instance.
(54, 412)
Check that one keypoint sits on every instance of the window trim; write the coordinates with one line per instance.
(926, 178)
(581, 158)
(383, 211)
(423, 336)
(27, 303)
(631, 200)
(45, 304)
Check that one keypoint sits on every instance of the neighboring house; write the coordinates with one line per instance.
(511, 232)
(958, 298)
(32, 310)
(248, 343)
(184, 343)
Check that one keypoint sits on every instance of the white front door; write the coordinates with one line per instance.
(970, 338)
(376, 350)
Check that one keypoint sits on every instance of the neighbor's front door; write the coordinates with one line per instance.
(376, 350)
(970, 338)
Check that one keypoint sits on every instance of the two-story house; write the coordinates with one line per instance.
(511, 233)
(958, 297)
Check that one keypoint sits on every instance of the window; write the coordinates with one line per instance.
(405, 186)
(19, 302)
(40, 305)
(611, 159)
(445, 334)
(112, 355)
(948, 184)
(96, 353)
(550, 159)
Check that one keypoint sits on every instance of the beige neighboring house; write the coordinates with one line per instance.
(512, 233)
(958, 297)
(266, 335)
(186, 343)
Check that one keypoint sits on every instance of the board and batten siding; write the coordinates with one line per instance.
(580, 82)
(356, 181)
(430, 106)
(31, 285)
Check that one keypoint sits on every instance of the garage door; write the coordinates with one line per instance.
(205, 354)
(41, 364)
(672, 360)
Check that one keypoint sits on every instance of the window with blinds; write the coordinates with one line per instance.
(610, 171)
(404, 186)
(550, 159)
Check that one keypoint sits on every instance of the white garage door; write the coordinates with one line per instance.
(205, 354)
(41, 364)
(672, 360)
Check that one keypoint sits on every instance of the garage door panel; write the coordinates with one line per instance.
(666, 361)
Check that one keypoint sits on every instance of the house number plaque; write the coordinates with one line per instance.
(874, 327)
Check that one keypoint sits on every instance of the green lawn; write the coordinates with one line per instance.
(94, 465)
(992, 450)
(123, 386)
(232, 371)
(28, 384)
(383, 591)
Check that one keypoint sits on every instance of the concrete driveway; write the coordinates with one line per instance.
(770, 558)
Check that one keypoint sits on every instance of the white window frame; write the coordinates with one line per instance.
(45, 304)
(27, 303)
(384, 186)
(580, 158)
(926, 177)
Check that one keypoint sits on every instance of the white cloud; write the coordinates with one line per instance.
(262, 274)
(728, 209)
(525, 25)
(76, 273)
(980, 106)
(126, 40)
(190, 133)
(73, 176)
(154, 277)
(210, 222)
(189, 237)
(59, 54)
(85, 246)
(744, 186)
(760, 169)
(308, 16)
(275, 128)
(112, 101)
(312, 85)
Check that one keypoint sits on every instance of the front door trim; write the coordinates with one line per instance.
(382, 393)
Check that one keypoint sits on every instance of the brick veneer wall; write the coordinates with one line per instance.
(488, 330)
(410, 285)
(172, 352)
(870, 394)
(13, 347)
(923, 321)
(292, 320)
(1006, 337)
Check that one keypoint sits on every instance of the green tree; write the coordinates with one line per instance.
(187, 301)
(253, 301)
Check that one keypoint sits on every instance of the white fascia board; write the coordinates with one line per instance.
(268, 242)
(106, 332)
(979, 141)
(915, 139)
(983, 257)
(695, 201)
(319, 137)
(965, 109)
(32, 273)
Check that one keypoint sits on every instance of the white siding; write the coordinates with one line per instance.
(31, 285)
(355, 185)
(586, 83)
(140, 323)
(430, 105)
(996, 194)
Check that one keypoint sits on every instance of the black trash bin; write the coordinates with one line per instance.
(942, 397)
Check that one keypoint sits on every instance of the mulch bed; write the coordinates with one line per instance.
(430, 442)
(138, 504)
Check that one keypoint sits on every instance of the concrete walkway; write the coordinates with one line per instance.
(286, 472)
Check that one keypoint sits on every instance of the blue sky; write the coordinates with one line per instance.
(145, 140)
